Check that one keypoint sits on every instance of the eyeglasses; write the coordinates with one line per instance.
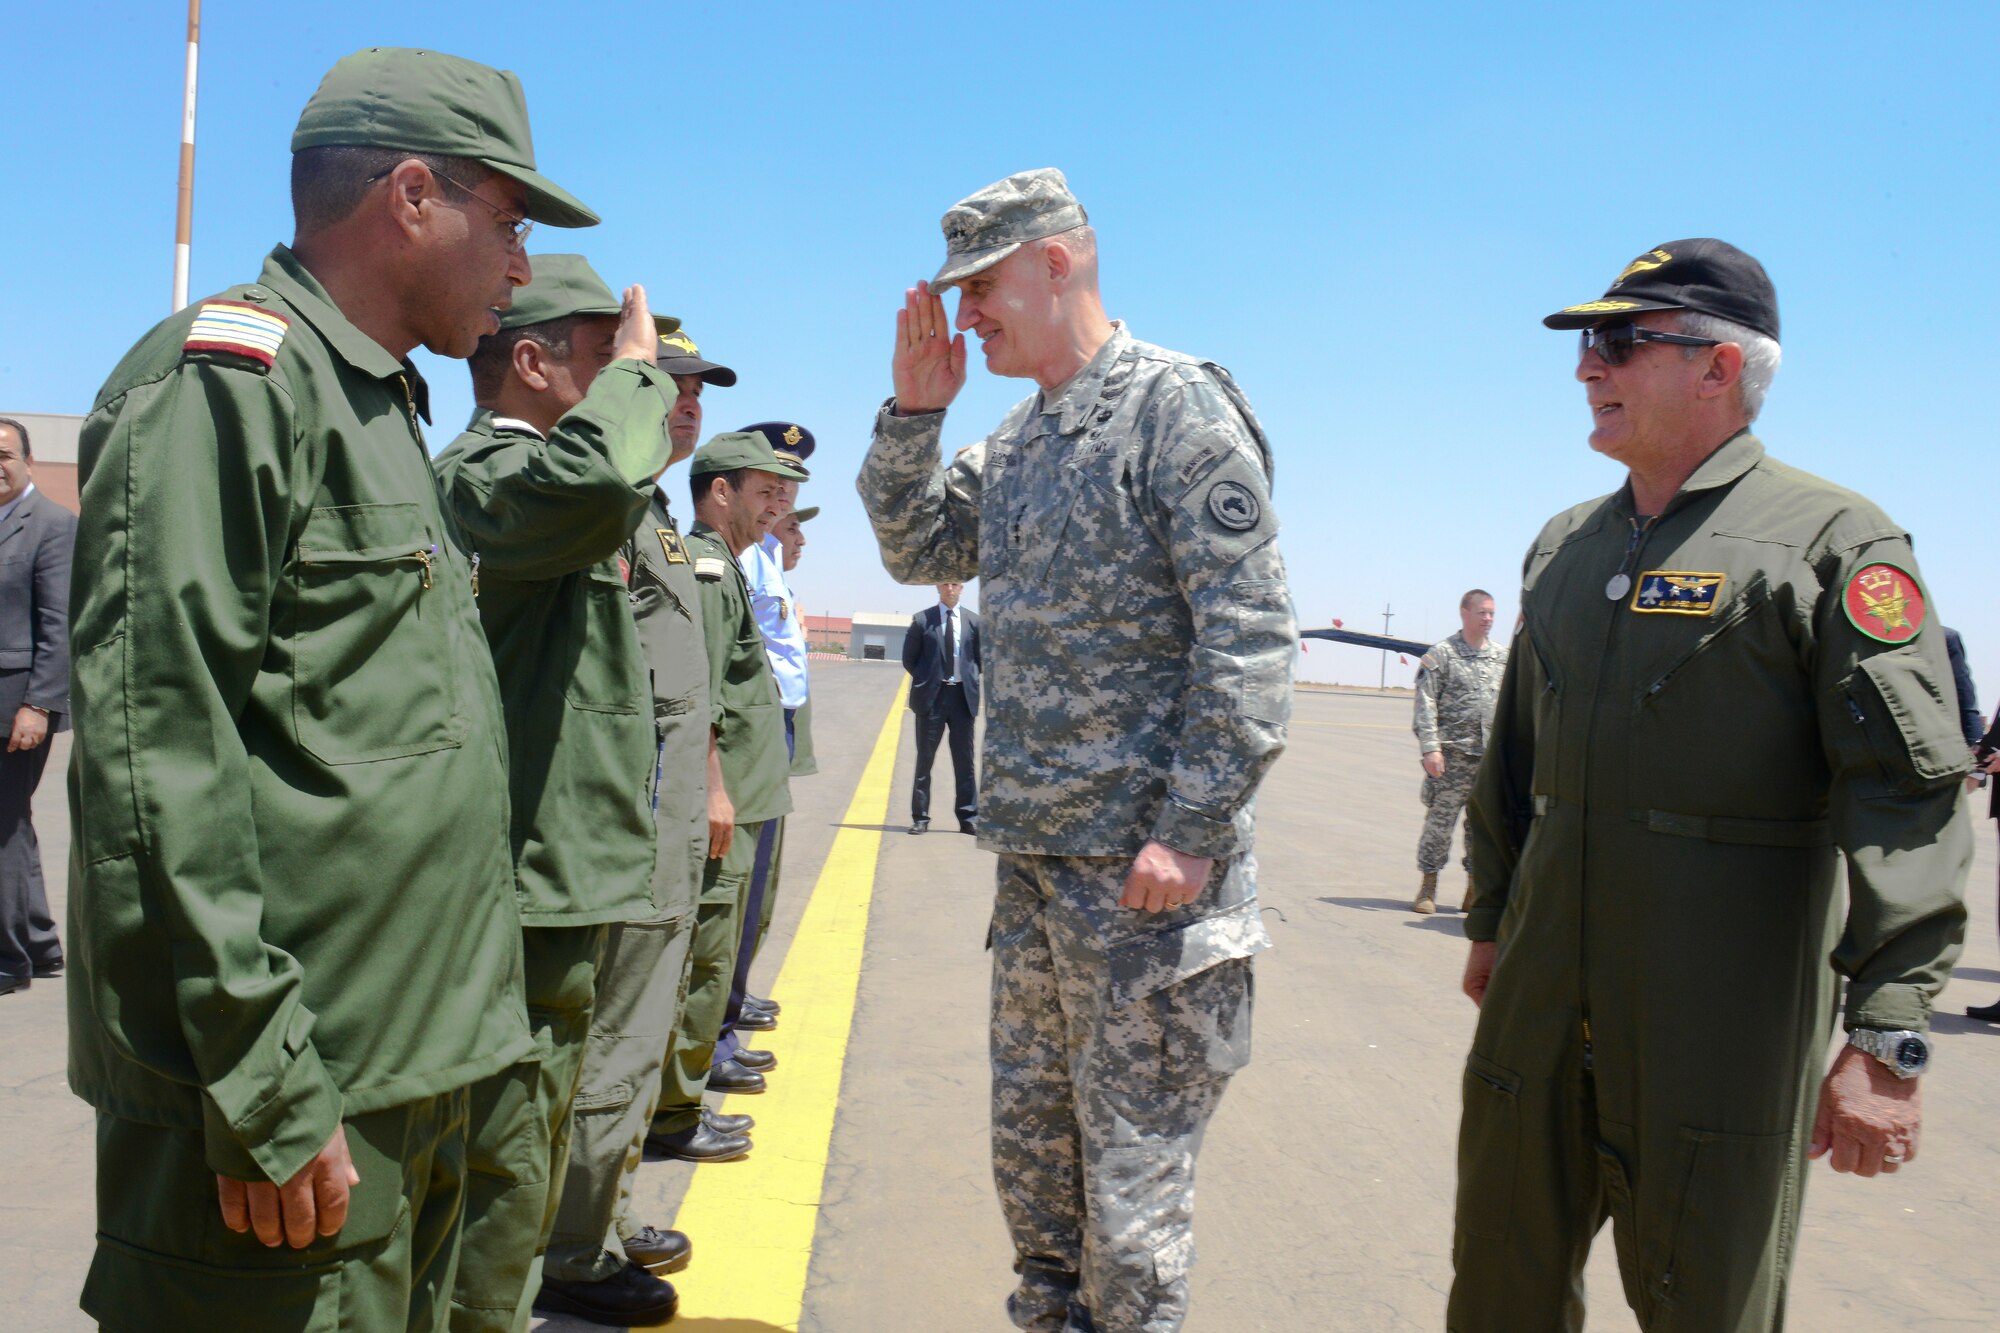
(517, 227)
(1615, 343)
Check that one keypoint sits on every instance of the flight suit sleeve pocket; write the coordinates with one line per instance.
(1489, 1145)
(1910, 726)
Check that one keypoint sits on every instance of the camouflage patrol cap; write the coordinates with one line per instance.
(738, 448)
(988, 225)
(429, 102)
(566, 285)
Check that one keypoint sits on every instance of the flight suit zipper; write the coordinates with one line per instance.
(424, 556)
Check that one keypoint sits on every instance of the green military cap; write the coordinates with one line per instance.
(803, 514)
(738, 448)
(988, 225)
(566, 285)
(429, 102)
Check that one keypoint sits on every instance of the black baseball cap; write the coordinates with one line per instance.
(678, 355)
(1705, 275)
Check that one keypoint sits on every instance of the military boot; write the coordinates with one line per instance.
(1427, 894)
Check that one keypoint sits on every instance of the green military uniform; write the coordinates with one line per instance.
(546, 518)
(1673, 776)
(645, 973)
(804, 761)
(749, 728)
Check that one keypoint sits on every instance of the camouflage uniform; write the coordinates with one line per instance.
(1457, 686)
(1139, 647)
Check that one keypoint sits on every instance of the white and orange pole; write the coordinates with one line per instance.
(184, 218)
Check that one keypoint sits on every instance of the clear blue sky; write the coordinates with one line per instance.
(1363, 212)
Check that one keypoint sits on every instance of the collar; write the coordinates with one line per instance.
(1073, 398)
(7, 511)
(299, 289)
(1465, 649)
(511, 425)
(1731, 459)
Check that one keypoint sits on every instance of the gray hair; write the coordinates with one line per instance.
(1760, 355)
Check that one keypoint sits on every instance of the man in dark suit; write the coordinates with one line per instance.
(941, 653)
(36, 536)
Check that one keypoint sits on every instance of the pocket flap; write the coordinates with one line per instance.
(1152, 962)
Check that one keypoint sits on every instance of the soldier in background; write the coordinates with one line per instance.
(547, 482)
(1140, 657)
(1457, 684)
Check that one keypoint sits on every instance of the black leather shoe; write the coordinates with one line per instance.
(48, 971)
(969, 826)
(629, 1296)
(700, 1144)
(727, 1124)
(921, 826)
(9, 984)
(771, 1007)
(756, 1020)
(730, 1076)
(659, 1251)
(1985, 1013)
(761, 1061)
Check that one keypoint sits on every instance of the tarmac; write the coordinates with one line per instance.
(1328, 1175)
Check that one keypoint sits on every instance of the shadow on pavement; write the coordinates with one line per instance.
(1371, 904)
(1974, 974)
(882, 828)
(1440, 924)
(1960, 1023)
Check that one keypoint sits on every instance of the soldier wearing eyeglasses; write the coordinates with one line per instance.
(1730, 688)
(294, 942)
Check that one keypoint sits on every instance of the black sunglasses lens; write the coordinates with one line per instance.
(1613, 345)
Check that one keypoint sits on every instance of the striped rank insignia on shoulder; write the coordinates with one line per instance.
(238, 328)
(709, 567)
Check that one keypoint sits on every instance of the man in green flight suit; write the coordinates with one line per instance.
(1728, 682)
(597, 1240)
(738, 485)
(293, 938)
(547, 483)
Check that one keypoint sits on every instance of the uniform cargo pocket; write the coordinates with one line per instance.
(371, 666)
(1489, 1146)
(604, 645)
(1186, 997)
(1723, 1216)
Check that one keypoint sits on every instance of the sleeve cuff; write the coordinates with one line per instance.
(1889, 1007)
(1194, 832)
(275, 1140)
(1482, 923)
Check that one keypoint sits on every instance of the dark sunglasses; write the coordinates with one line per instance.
(1615, 343)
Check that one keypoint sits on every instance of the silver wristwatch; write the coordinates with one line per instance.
(1906, 1053)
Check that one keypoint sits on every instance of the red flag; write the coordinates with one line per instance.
(1402, 660)
(1339, 625)
(1302, 647)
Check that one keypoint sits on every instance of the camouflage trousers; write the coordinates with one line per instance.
(1445, 797)
(1114, 1035)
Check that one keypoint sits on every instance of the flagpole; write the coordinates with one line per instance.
(184, 213)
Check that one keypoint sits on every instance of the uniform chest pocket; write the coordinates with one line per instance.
(1096, 541)
(372, 651)
(604, 645)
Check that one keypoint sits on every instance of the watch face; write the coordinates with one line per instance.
(1911, 1054)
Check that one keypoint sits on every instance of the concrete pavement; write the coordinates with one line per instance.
(1327, 1180)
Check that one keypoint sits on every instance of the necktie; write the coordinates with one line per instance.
(950, 647)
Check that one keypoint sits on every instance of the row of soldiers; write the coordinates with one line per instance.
(427, 812)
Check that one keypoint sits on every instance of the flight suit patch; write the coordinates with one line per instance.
(1886, 603)
(709, 568)
(1677, 592)
(239, 329)
(675, 548)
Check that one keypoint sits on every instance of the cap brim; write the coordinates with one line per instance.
(1596, 312)
(548, 203)
(957, 268)
(777, 469)
(722, 377)
(803, 514)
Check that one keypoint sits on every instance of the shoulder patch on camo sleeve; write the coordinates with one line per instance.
(237, 328)
(709, 567)
(1885, 602)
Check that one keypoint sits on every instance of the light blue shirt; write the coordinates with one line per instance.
(777, 613)
(7, 510)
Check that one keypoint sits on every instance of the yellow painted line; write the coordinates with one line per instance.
(753, 1220)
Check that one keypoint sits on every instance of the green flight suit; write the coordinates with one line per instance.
(1673, 779)
(645, 974)
(546, 519)
(749, 725)
(290, 901)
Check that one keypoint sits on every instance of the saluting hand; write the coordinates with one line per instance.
(929, 364)
(638, 340)
(312, 1203)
